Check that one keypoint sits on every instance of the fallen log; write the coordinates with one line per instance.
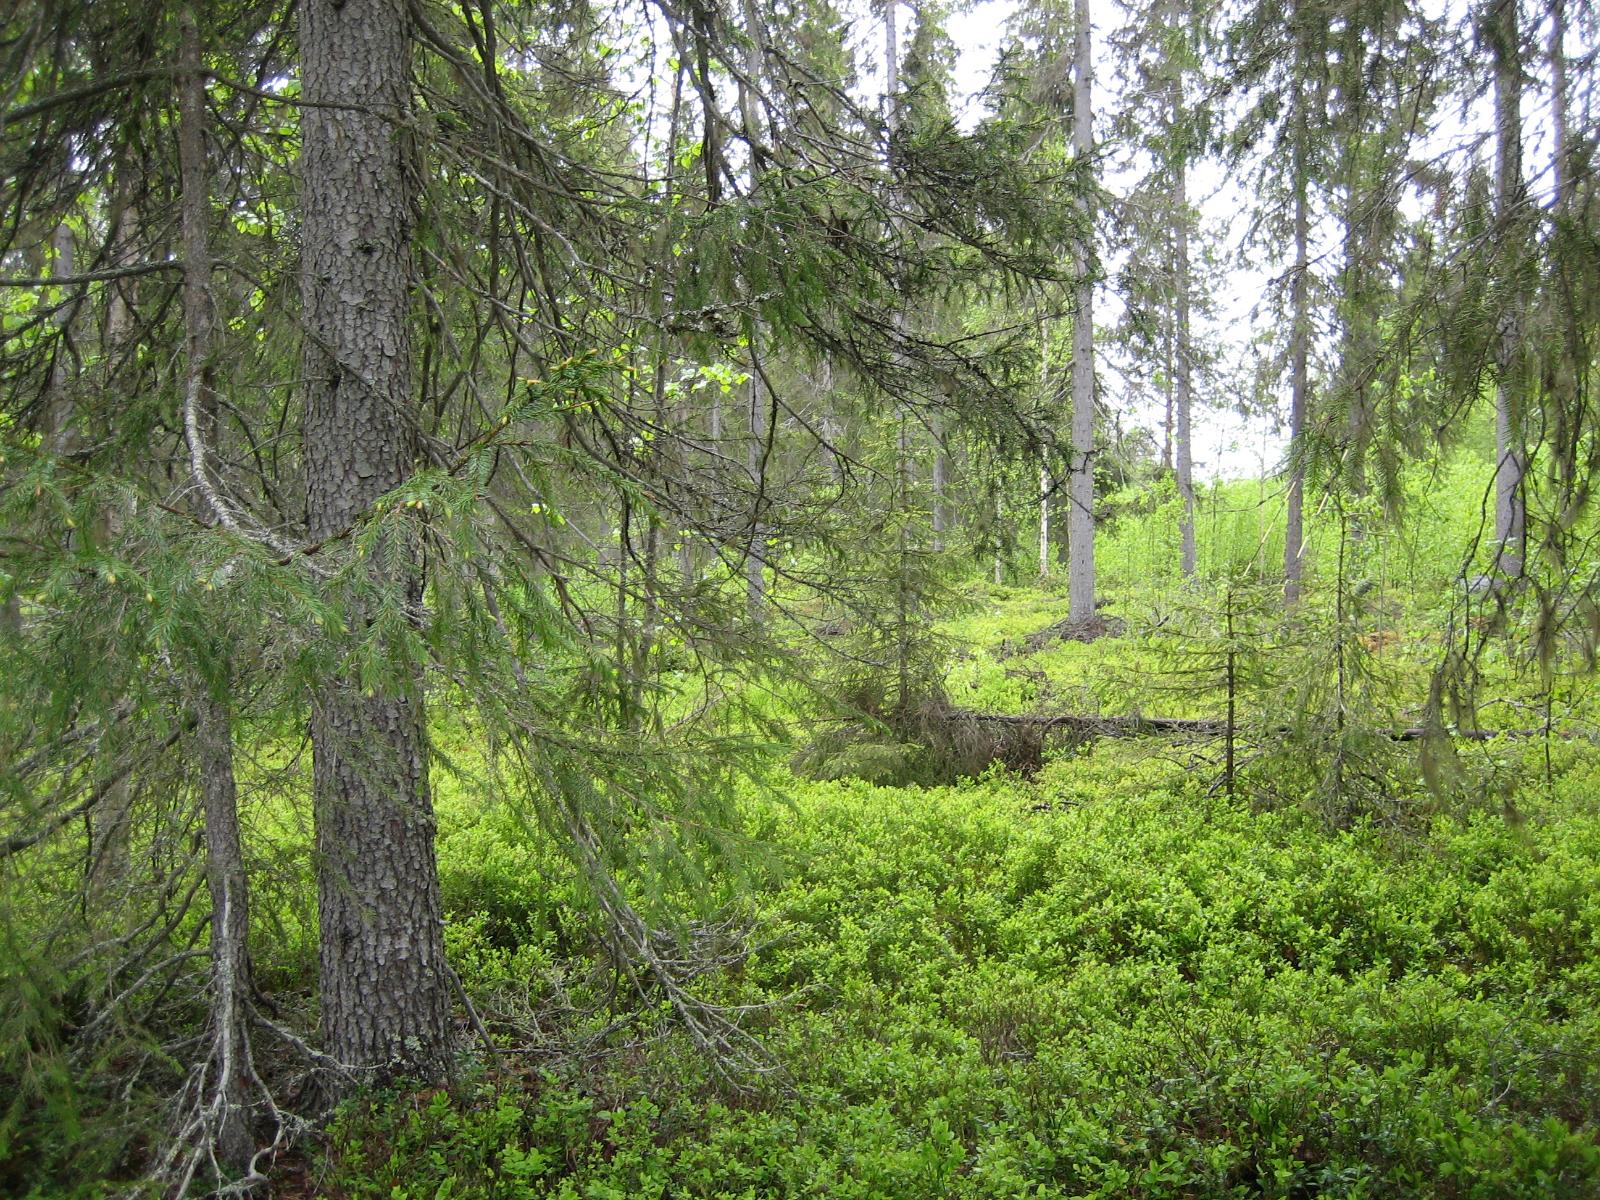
(939, 742)
(1097, 726)
(1122, 727)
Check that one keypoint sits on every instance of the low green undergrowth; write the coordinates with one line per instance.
(1100, 983)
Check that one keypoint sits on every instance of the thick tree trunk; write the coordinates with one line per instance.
(385, 991)
(1080, 512)
(1510, 516)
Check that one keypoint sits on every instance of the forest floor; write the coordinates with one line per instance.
(1109, 979)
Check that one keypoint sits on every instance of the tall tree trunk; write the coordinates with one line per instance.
(109, 824)
(1299, 338)
(1355, 272)
(1176, 342)
(1351, 362)
(832, 429)
(664, 416)
(996, 516)
(1046, 482)
(1182, 366)
(225, 875)
(1510, 517)
(60, 430)
(902, 454)
(755, 561)
(230, 934)
(1557, 53)
(1044, 520)
(384, 982)
(108, 830)
(1168, 394)
(891, 65)
(1080, 513)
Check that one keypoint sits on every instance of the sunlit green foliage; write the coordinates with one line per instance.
(1102, 983)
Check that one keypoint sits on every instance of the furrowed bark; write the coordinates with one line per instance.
(384, 984)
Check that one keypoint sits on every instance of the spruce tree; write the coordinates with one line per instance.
(384, 988)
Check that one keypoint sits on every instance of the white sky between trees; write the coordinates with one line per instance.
(1227, 444)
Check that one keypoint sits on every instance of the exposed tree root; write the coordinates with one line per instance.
(223, 1101)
